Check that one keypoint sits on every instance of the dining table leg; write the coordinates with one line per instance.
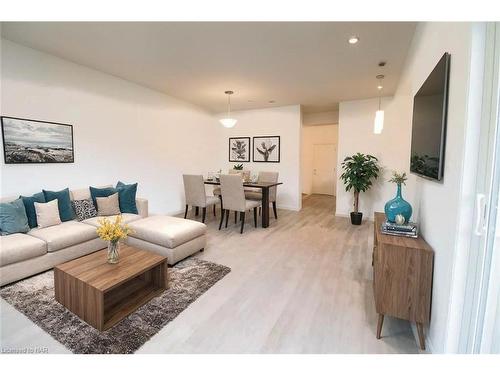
(265, 207)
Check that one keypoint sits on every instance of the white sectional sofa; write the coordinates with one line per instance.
(23, 255)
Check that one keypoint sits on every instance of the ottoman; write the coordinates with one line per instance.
(172, 237)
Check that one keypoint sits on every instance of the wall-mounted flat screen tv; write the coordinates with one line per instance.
(428, 136)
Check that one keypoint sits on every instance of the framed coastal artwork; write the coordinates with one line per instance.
(239, 149)
(266, 149)
(28, 141)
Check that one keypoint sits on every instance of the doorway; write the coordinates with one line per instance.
(324, 169)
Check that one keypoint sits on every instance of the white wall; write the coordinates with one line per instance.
(282, 121)
(392, 148)
(436, 204)
(311, 135)
(122, 131)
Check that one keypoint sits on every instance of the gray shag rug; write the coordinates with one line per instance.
(34, 297)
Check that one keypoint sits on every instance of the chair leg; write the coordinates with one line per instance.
(242, 217)
(186, 212)
(221, 219)
(255, 216)
(203, 214)
(235, 217)
(221, 206)
(214, 211)
(260, 210)
(227, 216)
(275, 211)
(197, 211)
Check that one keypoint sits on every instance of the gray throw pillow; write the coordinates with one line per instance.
(84, 209)
(108, 206)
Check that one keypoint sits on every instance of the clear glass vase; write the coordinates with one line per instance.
(113, 252)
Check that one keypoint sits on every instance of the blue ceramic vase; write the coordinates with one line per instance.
(398, 206)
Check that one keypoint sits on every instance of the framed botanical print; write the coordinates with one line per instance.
(31, 141)
(239, 149)
(266, 149)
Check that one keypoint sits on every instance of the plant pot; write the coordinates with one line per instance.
(356, 218)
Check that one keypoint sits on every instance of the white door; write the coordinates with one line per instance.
(324, 169)
(480, 331)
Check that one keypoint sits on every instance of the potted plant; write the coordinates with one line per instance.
(238, 167)
(358, 172)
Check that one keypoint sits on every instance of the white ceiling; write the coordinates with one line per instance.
(308, 63)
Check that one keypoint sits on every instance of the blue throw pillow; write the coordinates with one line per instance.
(100, 193)
(29, 206)
(66, 212)
(126, 197)
(13, 218)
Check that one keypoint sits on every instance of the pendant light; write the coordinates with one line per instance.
(228, 121)
(378, 125)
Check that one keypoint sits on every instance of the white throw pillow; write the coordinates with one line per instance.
(47, 214)
(108, 206)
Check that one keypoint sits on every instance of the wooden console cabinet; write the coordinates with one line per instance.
(402, 278)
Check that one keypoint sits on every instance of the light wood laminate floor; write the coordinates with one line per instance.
(303, 285)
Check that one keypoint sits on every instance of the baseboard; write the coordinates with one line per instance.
(290, 208)
(429, 348)
(349, 216)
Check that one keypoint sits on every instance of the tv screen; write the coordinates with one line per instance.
(428, 133)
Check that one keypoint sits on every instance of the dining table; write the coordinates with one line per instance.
(264, 186)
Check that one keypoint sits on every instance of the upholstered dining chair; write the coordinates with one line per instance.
(256, 193)
(245, 173)
(234, 199)
(194, 189)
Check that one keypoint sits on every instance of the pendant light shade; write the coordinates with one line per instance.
(378, 124)
(228, 121)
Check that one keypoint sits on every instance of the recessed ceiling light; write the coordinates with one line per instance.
(353, 39)
(380, 87)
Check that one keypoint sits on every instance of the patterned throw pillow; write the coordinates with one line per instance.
(84, 209)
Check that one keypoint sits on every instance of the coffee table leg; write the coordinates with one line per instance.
(265, 207)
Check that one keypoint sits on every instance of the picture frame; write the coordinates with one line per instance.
(28, 141)
(239, 149)
(267, 149)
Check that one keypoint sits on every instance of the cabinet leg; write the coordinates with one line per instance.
(379, 325)
(421, 337)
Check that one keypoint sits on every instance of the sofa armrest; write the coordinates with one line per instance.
(142, 206)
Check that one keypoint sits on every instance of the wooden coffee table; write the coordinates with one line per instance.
(102, 294)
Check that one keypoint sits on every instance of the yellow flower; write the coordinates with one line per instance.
(113, 231)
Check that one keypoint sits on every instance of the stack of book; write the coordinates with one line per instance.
(405, 230)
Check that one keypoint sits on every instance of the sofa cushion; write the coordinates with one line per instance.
(66, 234)
(29, 205)
(47, 214)
(18, 247)
(167, 231)
(127, 195)
(126, 218)
(100, 192)
(84, 209)
(13, 218)
(64, 202)
(108, 206)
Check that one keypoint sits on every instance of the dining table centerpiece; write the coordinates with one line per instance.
(113, 232)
